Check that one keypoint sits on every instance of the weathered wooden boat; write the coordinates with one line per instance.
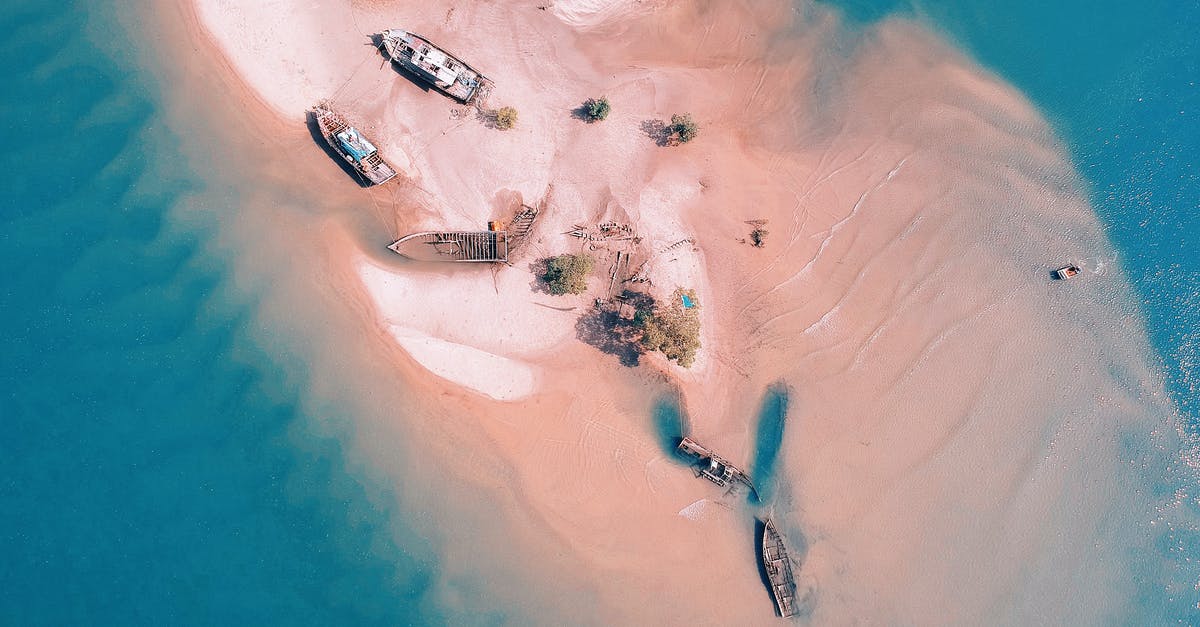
(778, 568)
(435, 66)
(1066, 272)
(492, 245)
(348, 142)
(472, 246)
(713, 467)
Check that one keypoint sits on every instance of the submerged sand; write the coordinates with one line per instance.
(965, 441)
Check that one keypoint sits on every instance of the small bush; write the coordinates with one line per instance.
(759, 236)
(683, 128)
(597, 109)
(567, 274)
(506, 118)
(673, 329)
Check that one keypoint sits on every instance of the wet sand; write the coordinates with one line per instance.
(956, 421)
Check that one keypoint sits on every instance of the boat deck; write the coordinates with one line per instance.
(372, 166)
(713, 467)
(434, 65)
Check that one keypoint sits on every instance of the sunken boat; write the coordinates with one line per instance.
(356, 149)
(778, 569)
(713, 467)
(435, 66)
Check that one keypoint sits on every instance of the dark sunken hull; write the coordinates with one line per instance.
(778, 569)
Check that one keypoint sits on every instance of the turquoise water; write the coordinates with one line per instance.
(157, 467)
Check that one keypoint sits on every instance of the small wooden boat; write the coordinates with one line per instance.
(492, 245)
(1066, 272)
(476, 246)
(435, 66)
(359, 152)
(779, 570)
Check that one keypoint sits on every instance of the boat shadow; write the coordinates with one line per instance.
(314, 130)
(760, 531)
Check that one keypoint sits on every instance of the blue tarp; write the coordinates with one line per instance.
(355, 144)
(687, 302)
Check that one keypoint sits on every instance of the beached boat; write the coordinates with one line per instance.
(435, 66)
(494, 244)
(360, 153)
(477, 246)
(1066, 272)
(778, 569)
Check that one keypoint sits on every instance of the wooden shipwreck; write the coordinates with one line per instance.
(348, 142)
(492, 245)
(713, 467)
(778, 568)
(435, 66)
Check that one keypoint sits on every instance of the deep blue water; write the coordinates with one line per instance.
(156, 467)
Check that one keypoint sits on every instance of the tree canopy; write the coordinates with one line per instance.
(683, 128)
(567, 274)
(506, 118)
(673, 329)
(597, 109)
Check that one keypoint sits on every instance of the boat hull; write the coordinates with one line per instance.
(458, 246)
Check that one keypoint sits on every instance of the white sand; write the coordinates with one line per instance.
(487, 373)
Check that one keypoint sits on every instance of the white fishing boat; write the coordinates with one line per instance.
(435, 66)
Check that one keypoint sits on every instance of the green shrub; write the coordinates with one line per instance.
(506, 118)
(567, 274)
(673, 329)
(597, 109)
(683, 128)
(759, 236)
